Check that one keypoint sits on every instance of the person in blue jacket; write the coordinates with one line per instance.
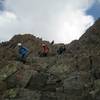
(23, 52)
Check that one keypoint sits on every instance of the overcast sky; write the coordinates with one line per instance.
(59, 20)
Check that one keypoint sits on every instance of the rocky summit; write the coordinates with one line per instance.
(73, 75)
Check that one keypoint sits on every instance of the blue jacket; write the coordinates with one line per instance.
(23, 51)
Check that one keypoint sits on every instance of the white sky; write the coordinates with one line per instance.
(59, 20)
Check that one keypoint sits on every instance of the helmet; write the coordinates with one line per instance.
(43, 44)
(19, 44)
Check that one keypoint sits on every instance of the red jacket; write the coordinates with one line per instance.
(45, 49)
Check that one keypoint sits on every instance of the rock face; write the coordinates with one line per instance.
(74, 75)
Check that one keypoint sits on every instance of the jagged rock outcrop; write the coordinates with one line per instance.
(74, 75)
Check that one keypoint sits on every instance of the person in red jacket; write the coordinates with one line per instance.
(45, 50)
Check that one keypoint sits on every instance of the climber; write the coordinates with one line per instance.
(23, 52)
(61, 50)
(45, 50)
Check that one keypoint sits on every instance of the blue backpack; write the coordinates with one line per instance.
(23, 51)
